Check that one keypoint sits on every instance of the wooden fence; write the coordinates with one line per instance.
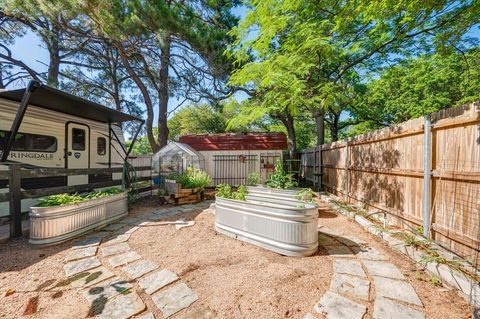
(16, 173)
(384, 170)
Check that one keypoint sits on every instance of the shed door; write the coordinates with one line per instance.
(78, 151)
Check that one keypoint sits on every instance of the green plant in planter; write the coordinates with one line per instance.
(280, 179)
(253, 179)
(226, 191)
(67, 199)
(306, 195)
(194, 178)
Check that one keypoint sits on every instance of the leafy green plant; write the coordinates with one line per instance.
(280, 179)
(253, 179)
(193, 178)
(226, 191)
(67, 199)
(306, 195)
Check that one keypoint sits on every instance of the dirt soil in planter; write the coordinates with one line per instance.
(232, 278)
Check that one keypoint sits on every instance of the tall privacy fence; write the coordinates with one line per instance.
(423, 172)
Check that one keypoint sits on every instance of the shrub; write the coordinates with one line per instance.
(67, 199)
(280, 179)
(253, 179)
(193, 178)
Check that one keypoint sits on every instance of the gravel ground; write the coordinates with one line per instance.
(232, 278)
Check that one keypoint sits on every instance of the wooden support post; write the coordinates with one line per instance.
(347, 165)
(320, 151)
(15, 201)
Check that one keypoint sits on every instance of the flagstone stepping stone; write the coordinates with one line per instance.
(75, 267)
(123, 259)
(389, 309)
(114, 227)
(354, 286)
(383, 269)
(334, 306)
(129, 220)
(81, 253)
(396, 289)
(100, 234)
(117, 239)
(114, 249)
(147, 315)
(369, 253)
(348, 266)
(139, 268)
(131, 230)
(201, 313)
(92, 277)
(351, 240)
(339, 251)
(329, 231)
(157, 280)
(174, 299)
(325, 240)
(87, 242)
(108, 289)
(185, 224)
(122, 307)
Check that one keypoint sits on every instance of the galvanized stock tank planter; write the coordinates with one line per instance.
(288, 229)
(52, 225)
(273, 195)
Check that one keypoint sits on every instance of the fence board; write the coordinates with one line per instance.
(385, 171)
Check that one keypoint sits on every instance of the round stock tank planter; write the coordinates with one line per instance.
(53, 225)
(273, 195)
(289, 230)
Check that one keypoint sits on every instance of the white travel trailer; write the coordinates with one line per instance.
(44, 127)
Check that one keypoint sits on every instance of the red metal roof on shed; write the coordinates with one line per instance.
(235, 141)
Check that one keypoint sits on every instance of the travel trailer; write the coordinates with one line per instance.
(52, 128)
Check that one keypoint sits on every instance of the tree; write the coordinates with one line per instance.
(165, 47)
(300, 52)
(417, 87)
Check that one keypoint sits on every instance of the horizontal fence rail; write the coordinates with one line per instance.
(384, 170)
(16, 173)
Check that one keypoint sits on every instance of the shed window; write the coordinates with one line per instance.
(30, 142)
(78, 139)
(101, 146)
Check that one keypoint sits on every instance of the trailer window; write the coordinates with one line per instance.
(101, 146)
(30, 142)
(78, 139)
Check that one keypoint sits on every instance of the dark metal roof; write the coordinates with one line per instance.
(53, 99)
(236, 141)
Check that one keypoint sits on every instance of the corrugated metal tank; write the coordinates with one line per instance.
(288, 229)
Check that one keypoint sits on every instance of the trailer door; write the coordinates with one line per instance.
(78, 151)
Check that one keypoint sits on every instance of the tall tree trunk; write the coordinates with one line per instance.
(163, 92)
(54, 55)
(2, 85)
(334, 130)
(320, 124)
(288, 121)
(146, 98)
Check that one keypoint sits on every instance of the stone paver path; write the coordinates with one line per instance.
(364, 281)
(115, 279)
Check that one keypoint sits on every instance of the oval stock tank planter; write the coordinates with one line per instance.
(272, 195)
(290, 230)
(52, 225)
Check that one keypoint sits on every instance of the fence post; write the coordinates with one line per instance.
(15, 201)
(347, 164)
(427, 160)
(320, 177)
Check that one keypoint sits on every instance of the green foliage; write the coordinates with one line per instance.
(226, 191)
(253, 179)
(417, 87)
(280, 179)
(193, 178)
(306, 195)
(67, 199)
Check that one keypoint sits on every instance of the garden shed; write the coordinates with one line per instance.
(230, 158)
